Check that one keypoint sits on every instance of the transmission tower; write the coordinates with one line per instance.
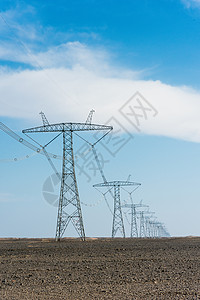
(134, 227)
(151, 228)
(69, 208)
(160, 232)
(158, 229)
(148, 219)
(141, 213)
(142, 225)
(118, 223)
(134, 230)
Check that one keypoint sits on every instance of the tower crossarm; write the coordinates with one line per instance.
(130, 205)
(116, 183)
(62, 127)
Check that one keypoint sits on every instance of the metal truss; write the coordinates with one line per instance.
(142, 224)
(134, 227)
(69, 202)
(44, 119)
(134, 230)
(67, 127)
(118, 223)
(116, 183)
(89, 118)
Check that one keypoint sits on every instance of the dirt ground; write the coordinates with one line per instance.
(100, 269)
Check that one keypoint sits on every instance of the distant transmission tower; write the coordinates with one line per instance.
(142, 222)
(69, 208)
(134, 227)
(148, 219)
(142, 225)
(118, 223)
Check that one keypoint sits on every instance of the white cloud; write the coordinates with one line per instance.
(67, 94)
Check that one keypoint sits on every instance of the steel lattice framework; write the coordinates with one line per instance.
(118, 223)
(69, 208)
(134, 207)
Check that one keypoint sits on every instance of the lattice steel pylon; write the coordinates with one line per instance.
(118, 223)
(134, 227)
(69, 208)
(142, 224)
(134, 230)
(148, 218)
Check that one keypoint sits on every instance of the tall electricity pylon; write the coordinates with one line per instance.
(142, 213)
(142, 224)
(118, 223)
(69, 208)
(160, 230)
(134, 207)
(148, 219)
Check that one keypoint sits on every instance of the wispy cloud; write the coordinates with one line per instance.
(24, 41)
(191, 3)
(66, 55)
(16, 23)
(21, 25)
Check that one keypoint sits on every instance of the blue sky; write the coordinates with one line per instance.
(66, 58)
(162, 37)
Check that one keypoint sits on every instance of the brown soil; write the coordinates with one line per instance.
(100, 269)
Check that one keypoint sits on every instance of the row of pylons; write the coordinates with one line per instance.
(141, 221)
